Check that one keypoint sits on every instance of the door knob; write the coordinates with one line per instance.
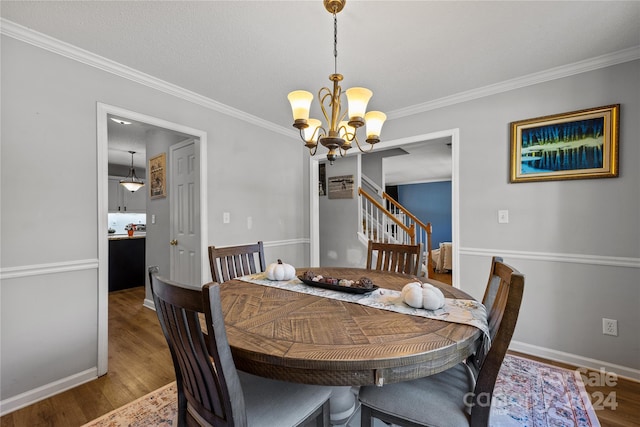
(173, 242)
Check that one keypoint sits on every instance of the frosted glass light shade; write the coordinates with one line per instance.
(310, 134)
(358, 98)
(300, 104)
(132, 185)
(374, 121)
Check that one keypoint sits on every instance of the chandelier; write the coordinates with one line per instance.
(340, 129)
(132, 182)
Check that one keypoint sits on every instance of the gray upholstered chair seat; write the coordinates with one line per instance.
(288, 403)
(272, 403)
(437, 400)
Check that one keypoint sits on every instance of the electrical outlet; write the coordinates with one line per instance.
(610, 327)
(226, 217)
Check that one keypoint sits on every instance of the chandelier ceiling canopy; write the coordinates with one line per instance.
(340, 127)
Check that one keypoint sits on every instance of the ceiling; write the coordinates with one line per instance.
(248, 55)
(127, 137)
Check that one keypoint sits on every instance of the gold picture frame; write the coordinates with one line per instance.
(158, 176)
(575, 145)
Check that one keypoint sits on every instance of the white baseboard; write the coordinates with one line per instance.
(37, 394)
(576, 360)
(149, 304)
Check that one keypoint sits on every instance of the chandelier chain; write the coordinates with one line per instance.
(335, 41)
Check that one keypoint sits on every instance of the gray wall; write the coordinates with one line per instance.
(50, 231)
(578, 242)
(338, 221)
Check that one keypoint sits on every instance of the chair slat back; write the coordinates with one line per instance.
(229, 262)
(208, 390)
(502, 317)
(395, 257)
(492, 285)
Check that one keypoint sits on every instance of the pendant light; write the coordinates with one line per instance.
(132, 182)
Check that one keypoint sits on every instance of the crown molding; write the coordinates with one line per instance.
(19, 32)
(24, 34)
(621, 56)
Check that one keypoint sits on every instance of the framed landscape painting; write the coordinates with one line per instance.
(575, 145)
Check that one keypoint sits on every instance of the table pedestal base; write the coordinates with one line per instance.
(343, 404)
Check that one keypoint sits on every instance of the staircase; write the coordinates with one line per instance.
(386, 220)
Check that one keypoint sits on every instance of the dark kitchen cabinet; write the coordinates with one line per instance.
(126, 263)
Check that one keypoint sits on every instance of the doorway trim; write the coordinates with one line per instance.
(314, 198)
(102, 111)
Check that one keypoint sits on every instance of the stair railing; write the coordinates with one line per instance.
(423, 231)
(395, 224)
(379, 224)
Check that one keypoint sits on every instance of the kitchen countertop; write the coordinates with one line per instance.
(136, 235)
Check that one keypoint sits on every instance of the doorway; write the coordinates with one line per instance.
(200, 144)
(451, 134)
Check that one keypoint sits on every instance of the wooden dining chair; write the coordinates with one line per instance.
(492, 285)
(211, 392)
(451, 398)
(395, 257)
(235, 261)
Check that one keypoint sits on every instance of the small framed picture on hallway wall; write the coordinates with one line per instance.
(341, 187)
(158, 176)
(575, 145)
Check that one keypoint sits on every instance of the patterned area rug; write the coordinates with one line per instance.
(527, 393)
(158, 408)
(530, 393)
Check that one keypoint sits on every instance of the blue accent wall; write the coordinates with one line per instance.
(430, 202)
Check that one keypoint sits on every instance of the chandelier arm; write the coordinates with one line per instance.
(355, 138)
(344, 114)
(321, 99)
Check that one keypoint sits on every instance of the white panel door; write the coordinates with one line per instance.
(185, 214)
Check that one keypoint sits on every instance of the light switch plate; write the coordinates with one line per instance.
(503, 216)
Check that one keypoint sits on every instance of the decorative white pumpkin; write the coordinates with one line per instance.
(408, 286)
(422, 295)
(413, 297)
(432, 298)
(280, 271)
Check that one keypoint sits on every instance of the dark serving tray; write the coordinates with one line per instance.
(349, 289)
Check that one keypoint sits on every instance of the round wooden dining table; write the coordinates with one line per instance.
(297, 337)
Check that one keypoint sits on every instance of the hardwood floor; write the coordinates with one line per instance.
(443, 277)
(139, 362)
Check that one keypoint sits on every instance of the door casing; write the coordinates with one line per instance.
(102, 112)
(314, 199)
